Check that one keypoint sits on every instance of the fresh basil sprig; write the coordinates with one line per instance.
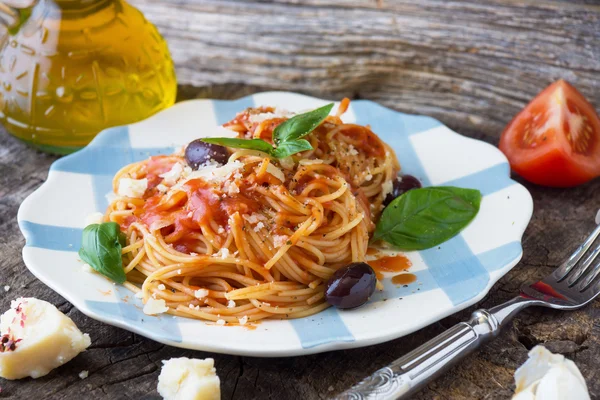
(101, 246)
(287, 136)
(423, 218)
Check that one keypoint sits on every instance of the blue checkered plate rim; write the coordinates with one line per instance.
(450, 277)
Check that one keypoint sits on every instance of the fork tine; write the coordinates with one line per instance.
(594, 272)
(564, 270)
(582, 269)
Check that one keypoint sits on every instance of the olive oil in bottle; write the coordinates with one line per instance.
(70, 68)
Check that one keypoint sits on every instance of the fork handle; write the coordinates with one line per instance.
(411, 372)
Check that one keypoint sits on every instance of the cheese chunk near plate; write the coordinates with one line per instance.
(189, 379)
(36, 338)
(547, 376)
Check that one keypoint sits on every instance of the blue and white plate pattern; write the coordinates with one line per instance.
(450, 277)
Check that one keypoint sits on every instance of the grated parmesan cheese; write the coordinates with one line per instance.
(162, 188)
(171, 177)
(201, 293)
(352, 150)
(161, 287)
(243, 320)
(214, 173)
(258, 227)
(6, 288)
(280, 240)
(221, 322)
(276, 172)
(153, 306)
(83, 374)
(224, 253)
(134, 188)
(387, 188)
(231, 304)
(258, 118)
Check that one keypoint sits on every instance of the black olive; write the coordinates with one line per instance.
(351, 286)
(197, 153)
(401, 185)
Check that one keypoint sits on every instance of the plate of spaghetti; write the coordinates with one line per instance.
(277, 224)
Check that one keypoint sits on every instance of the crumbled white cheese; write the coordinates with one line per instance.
(231, 304)
(549, 376)
(162, 188)
(201, 293)
(221, 322)
(352, 150)
(48, 339)
(276, 172)
(254, 218)
(387, 188)
(258, 118)
(232, 188)
(154, 306)
(139, 295)
(220, 230)
(83, 374)
(280, 240)
(94, 218)
(6, 288)
(369, 176)
(179, 272)
(161, 287)
(215, 173)
(132, 187)
(243, 320)
(258, 227)
(224, 253)
(189, 379)
(306, 161)
(172, 176)
(287, 163)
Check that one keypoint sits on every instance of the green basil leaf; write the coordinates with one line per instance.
(424, 218)
(288, 148)
(300, 125)
(101, 246)
(250, 144)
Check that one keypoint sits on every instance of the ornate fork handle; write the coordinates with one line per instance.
(411, 372)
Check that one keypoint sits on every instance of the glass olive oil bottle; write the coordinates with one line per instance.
(70, 68)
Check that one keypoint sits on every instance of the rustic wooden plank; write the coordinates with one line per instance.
(473, 64)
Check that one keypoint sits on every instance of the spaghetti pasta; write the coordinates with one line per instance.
(257, 237)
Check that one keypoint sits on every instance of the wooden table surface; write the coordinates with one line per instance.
(471, 65)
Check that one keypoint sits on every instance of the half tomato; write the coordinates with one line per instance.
(555, 139)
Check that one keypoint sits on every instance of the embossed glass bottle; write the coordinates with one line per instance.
(70, 68)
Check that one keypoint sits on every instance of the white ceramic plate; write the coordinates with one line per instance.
(450, 277)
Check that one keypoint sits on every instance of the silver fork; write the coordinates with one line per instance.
(571, 286)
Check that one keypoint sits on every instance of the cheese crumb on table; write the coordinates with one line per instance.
(547, 376)
(189, 379)
(36, 338)
(6, 288)
(83, 374)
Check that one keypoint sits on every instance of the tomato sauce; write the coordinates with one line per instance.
(404, 279)
(396, 263)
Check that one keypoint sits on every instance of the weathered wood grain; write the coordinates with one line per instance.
(470, 65)
(473, 64)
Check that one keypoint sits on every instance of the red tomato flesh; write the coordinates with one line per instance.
(555, 139)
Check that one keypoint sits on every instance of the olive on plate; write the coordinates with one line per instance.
(400, 186)
(198, 152)
(351, 286)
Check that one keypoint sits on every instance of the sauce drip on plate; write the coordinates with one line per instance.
(396, 263)
(404, 279)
